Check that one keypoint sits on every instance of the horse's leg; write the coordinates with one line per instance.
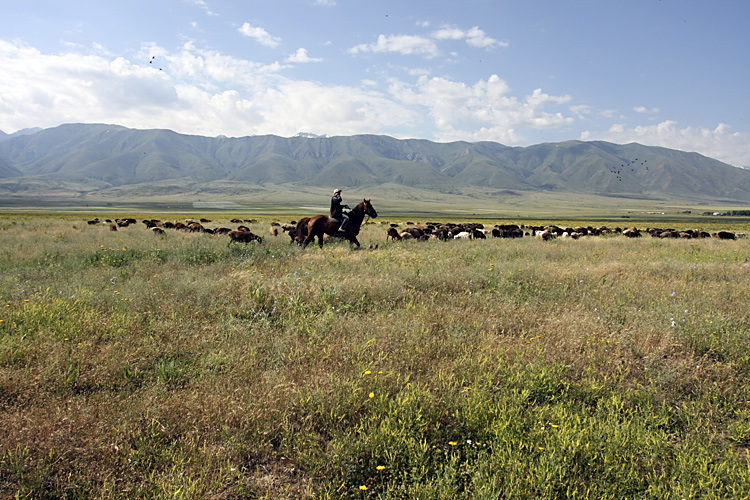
(354, 240)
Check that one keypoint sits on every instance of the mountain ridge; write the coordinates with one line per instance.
(97, 157)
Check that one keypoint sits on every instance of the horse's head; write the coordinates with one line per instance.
(368, 208)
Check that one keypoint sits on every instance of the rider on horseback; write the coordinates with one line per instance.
(337, 213)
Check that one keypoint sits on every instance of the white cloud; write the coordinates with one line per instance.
(301, 57)
(207, 68)
(203, 5)
(483, 111)
(474, 37)
(260, 35)
(644, 110)
(325, 3)
(718, 143)
(402, 44)
(426, 45)
(581, 110)
(199, 92)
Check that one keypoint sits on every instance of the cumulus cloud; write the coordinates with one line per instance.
(482, 111)
(260, 35)
(644, 110)
(719, 143)
(301, 57)
(199, 92)
(402, 44)
(426, 45)
(325, 3)
(474, 37)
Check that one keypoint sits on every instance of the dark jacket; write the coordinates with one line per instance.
(336, 207)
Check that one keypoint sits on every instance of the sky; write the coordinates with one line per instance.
(671, 73)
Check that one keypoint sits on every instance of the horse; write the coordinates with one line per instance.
(322, 224)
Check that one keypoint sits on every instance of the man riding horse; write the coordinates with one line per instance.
(338, 224)
(337, 214)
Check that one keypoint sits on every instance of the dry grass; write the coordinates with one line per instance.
(137, 366)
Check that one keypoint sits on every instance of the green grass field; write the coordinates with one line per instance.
(141, 366)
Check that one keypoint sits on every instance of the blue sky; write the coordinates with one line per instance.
(672, 73)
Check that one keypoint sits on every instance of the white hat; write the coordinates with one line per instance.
(336, 191)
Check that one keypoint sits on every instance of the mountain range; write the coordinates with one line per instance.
(101, 160)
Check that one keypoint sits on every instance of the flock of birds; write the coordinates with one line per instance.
(627, 165)
(152, 61)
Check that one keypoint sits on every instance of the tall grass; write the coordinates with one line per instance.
(139, 366)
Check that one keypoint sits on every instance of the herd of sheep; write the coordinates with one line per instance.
(421, 232)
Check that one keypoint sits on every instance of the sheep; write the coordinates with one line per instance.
(243, 237)
(392, 234)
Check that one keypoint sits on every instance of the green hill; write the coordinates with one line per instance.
(112, 159)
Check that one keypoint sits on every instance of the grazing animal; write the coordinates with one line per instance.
(321, 224)
(392, 234)
(113, 227)
(725, 235)
(547, 235)
(243, 237)
(274, 230)
(299, 233)
(632, 233)
(157, 230)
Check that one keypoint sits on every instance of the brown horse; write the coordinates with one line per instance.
(322, 224)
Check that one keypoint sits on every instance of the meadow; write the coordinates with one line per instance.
(141, 366)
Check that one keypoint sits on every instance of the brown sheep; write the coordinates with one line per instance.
(393, 234)
(632, 233)
(243, 237)
(274, 231)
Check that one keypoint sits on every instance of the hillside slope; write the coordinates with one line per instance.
(109, 156)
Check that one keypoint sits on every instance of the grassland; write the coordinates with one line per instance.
(139, 366)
